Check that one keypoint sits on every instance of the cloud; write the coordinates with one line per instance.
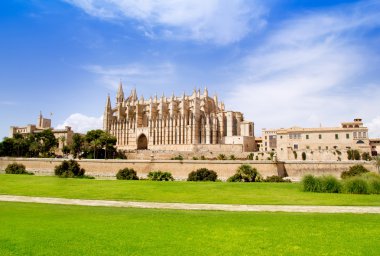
(7, 103)
(374, 127)
(217, 21)
(81, 123)
(312, 69)
(134, 74)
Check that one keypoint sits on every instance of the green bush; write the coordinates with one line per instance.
(160, 176)
(203, 157)
(232, 157)
(69, 169)
(374, 186)
(127, 174)
(250, 156)
(311, 184)
(295, 155)
(179, 157)
(275, 178)
(202, 174)
(303, 156)
(221, 157)
(366, 156)
(355, 170)
(195, 158)
(356, 185)
(330, 184)
(245, 173)
(16, 168)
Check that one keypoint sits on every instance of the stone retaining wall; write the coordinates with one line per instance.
(181, 169)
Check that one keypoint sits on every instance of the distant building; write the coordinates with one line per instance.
(375, 146)
(193, 122)
(269, 140)
(64, 136)
(322, 141)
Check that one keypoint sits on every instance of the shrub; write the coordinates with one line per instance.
(179, 157)
(356, 185)
(303, 156)
(257, 158)
(245, 173)
(160, 176)
(295, 155)
(374, 186)
(202, 174)
(250, 156)
(195, 158)
(69, 169)
(275, 178)
(221, 157)
(203, 157)
(127, 174)
(311, 184)
(330, 184)
(232, 157)
(355, 170)
(16, 168)
(366, 156)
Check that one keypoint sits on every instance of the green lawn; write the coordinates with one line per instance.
(37, 229)
(189, 192)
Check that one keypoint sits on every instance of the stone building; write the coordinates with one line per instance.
(195, 122)
(64, 136)
(323, 143)
(375, 146)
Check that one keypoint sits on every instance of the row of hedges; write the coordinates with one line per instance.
(357, 180)
(72, 169)
(245, 173)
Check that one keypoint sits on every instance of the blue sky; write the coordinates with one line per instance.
(282, 63)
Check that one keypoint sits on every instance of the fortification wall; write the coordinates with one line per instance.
(181, 169)
(297, 169)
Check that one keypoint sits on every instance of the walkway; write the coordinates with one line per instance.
(184, 206)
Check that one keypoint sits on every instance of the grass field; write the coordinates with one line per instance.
(36, 229)
(188, 192)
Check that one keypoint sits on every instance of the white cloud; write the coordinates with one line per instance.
(81, 123)
(374, 127)
(218, 21)
(312, 70)
(134, 74)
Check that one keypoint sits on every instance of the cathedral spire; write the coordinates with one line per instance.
(108, 104)
(120, 93)
(205, 93)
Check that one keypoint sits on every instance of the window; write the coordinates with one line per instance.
(266, 144)
(347, 136)
(307, 136)
(364, 135)
(336, 136)
(355, 135)
(327, 147)
(320, 136)
(295, 146)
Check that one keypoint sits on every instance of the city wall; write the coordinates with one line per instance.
(181, 169)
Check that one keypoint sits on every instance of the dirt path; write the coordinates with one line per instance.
(184, 206)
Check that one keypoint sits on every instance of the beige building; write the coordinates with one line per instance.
(195, 122)
(64, 136)
(375, 146)
(323, 143)
(269, 142)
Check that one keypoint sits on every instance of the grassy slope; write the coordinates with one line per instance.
(190, 192)
(35, 229)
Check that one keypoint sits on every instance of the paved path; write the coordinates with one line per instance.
(184, 206)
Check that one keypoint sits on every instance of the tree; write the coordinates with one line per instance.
(245, 173)
(77, 144)
(48, 141)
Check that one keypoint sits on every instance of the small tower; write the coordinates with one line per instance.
(107, 115)
(120, 94)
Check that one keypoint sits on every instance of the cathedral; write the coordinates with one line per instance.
(195, 122)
